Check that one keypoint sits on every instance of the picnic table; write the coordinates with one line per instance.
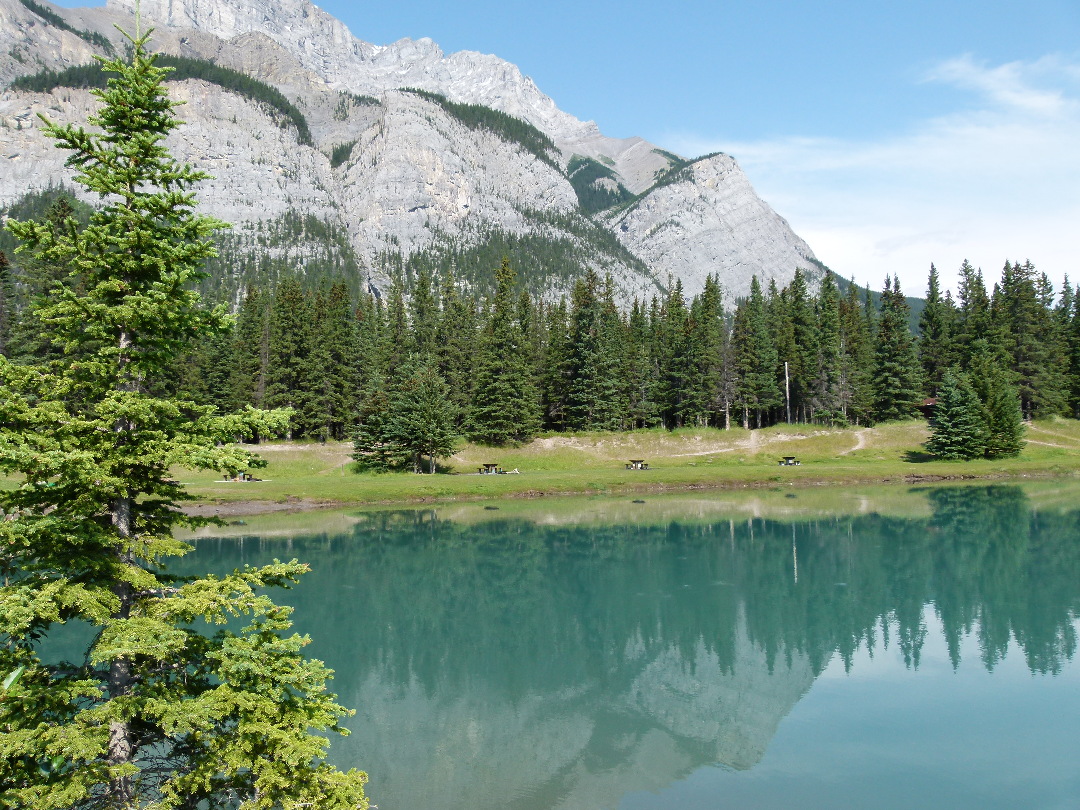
(489, 469)
(789, 461)
(637, 464)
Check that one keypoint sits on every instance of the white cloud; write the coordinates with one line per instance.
(999, 180)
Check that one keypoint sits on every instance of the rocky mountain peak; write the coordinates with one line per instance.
(387, 175)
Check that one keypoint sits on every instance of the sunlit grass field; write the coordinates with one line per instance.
(584, 463)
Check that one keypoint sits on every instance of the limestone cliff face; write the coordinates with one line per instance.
(709, 220)
(416, 176)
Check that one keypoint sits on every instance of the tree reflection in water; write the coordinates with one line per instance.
(509, 664)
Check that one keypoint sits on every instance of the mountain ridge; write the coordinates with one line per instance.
(392, 170)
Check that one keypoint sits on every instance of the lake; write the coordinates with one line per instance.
(907, 648)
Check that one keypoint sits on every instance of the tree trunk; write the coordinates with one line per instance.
(121, 747)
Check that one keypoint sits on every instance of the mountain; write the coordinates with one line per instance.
(386, 159)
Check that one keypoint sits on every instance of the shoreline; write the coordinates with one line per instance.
(209, 508)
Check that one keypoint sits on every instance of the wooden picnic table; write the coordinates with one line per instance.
(489, 469)
(637, 464)
(789, 461)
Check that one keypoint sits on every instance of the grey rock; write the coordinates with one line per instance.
(415, 174)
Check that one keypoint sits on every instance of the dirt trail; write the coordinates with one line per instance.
(860, 442)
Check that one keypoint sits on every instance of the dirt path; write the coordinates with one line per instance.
(860, 442)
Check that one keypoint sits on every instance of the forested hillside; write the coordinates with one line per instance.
(509, 364)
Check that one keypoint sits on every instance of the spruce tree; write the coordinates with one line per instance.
(251, 349)
(755, 358)
(641, 377)
(332, 378)
(897, 384)
(555, 381)
(676, 362)
(935, 335)
(456, 343)
(958, 426)
(1000, 400)
(7, 304)
(856, 330)
(802, 362)
(825, 394)
(593, 391)
(375, 445)
(422, 415)
(157, 713)
(505, 406)
(288, 369)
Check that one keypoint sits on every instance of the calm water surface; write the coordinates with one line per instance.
(689, 663)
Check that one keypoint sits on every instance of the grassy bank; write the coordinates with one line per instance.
(312, 474)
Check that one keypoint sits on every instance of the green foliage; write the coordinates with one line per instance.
(422, 415)
(897, 373)
(958, 427)
(157, 713)
(346, 101)
(505, 403)
(556, 252)
(507, 127)
(340, 153)
(593, 182)
(294, 245)
(678, 171)
(283, 111)
(54, 19)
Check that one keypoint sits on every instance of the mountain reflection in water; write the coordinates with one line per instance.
(506, 664)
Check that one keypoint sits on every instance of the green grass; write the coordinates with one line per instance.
(682, 460)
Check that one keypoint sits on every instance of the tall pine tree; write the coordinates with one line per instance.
(157, 713)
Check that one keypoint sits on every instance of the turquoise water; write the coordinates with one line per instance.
(854, 662)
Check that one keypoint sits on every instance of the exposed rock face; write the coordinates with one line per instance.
(711, 221)
(415, 174)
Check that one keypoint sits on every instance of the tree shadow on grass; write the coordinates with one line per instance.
(919, 457)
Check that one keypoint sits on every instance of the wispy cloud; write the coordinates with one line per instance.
(996, 180)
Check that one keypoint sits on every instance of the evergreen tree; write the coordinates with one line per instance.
(372, 353)
(1028, 331)
(251, 349)
(958, 425)
(1000, 400)
(422, 414)
(375, 445)
(856, 375)
(456, 339)
(935, 335)
(1073, 349)
(31, 340)
(157, 713)
(332, 379)
(897, 385)
(676, 362)
(593, 401)
(826, 394)
(7, 304)
(425, 315)
(397, 339)
(755, 358)
(505, 406)
(1004, 422)
(555, 382)
(288, 369)
(709, 343)
(640, 374)
(803, 353)
(973, 316)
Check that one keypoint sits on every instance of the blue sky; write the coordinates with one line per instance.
(889, 135)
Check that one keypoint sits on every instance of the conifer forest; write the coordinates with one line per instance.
(406, 372)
